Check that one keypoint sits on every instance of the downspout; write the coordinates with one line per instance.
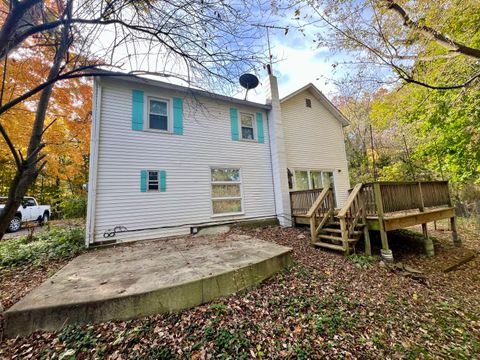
(93, 164)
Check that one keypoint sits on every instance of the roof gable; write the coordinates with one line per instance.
(312, 89)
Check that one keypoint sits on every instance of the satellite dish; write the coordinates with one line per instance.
(248, 81)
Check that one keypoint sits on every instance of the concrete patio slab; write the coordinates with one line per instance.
(145, 278)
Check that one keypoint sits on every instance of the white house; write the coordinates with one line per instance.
(166, 158)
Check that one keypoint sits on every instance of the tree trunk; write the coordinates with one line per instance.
(18, 188)
(29, 169)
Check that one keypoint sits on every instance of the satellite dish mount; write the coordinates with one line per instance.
(248, 81)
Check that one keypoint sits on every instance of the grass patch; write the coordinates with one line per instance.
(55, 244)
(253, 224)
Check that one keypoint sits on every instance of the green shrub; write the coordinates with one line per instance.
(364, 261)
(78, 338)
(74, 208)
(55, 244)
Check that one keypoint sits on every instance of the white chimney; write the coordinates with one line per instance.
(278, 151)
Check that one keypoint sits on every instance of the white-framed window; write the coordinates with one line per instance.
(158, 114)
(247, 126)
(226, 186)
(153, 180)
(312, 179)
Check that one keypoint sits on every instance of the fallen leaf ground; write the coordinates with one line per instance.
(324, 306)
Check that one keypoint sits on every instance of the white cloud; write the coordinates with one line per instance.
(300, 66)
(298, 62)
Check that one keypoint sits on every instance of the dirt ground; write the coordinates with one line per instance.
(325, 306)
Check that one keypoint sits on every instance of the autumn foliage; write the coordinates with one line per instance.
(66, 133)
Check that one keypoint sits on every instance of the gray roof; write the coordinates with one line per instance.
(185, 89)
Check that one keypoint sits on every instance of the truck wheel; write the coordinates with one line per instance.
(44, 219)
(15, 224)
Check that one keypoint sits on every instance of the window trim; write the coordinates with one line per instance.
(240, 183)
(169, 114)
(254, 126)
(310, 179)
(148, 181)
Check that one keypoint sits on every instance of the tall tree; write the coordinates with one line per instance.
(209, 41)
(435, 44)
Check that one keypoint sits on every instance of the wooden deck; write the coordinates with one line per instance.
(378, 206)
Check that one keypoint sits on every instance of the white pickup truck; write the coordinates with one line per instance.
(28, 211)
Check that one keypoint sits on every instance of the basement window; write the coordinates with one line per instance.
(308, 103)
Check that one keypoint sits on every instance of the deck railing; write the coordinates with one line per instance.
(302, 200)
(401, 196)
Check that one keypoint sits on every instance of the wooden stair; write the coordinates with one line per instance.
(337, 229)
(330, 236)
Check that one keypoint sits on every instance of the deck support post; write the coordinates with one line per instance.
(343, 228)
(386, 252)
(453, 225)
(428, 243)
(366, 234)
(313, 233)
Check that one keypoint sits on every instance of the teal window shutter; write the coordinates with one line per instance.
(234, 123)
(143, 180)
(178, 116)
(163, 180)
(260, 134)
(137, 110)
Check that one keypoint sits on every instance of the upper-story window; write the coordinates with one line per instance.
(308, 103)
(247, 123)
(158, 114)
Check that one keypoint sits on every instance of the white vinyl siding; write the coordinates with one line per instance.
(314, 139)
(188, 159)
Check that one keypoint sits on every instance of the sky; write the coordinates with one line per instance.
(297, 58)
(297, 62)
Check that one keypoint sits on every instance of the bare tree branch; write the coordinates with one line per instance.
(433, 34)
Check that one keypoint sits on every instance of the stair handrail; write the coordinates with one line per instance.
(353, 194)
(348, 227)
(313, 212)
(318, 202)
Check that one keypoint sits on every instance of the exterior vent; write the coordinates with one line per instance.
(308, 103)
